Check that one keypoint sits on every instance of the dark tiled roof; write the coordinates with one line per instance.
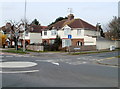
(37, 28)
(74, 23)
(4, 29)
(57, 25)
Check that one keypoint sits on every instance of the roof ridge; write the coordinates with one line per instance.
(68, 22)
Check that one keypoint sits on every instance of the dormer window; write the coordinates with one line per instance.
(78, 32)
(67, 31)
(53, 32)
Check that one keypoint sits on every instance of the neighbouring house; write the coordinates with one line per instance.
(72, 31)
(33, 35)
(6, 30)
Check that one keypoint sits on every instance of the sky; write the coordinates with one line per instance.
(45, 12)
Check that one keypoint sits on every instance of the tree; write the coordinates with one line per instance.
(35, 22)
(57, 20)
(57, 43)
(113, 32)
(17, 28)
(2, 39)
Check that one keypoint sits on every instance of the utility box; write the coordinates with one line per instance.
(112, 47)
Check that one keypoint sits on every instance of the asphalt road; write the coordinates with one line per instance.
(58, 70)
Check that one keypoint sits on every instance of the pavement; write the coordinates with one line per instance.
(112, 61)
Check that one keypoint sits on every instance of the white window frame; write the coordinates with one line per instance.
(67, 31)
(66, 42)
(45, 33)
(53, 32)
(78, 32)
(52, 41)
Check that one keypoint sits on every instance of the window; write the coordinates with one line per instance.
(53, 32)
(66, 42)
(78, 32)
(45, 33)
(67, 31)
(26, 33)
(79, 43)
(52, 41)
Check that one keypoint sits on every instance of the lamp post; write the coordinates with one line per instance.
(24, 28)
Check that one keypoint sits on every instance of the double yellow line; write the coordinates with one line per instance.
(98, 61)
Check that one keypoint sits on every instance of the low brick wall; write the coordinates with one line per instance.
(35, 47)
(82, 48)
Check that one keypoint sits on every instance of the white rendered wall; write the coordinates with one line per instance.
(35, 38)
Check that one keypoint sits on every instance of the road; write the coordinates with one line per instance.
(58, 70)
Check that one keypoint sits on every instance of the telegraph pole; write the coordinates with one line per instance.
(24, 28)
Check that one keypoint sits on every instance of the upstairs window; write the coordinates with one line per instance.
(67, 31)
(45, 33)
(53, 32)
(78, 32)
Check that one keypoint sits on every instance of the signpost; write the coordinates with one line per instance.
(69, 37)
(16, 40)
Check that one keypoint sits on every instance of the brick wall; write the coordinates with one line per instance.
(83, 48)
(74, 41)
(47, 40)
(35, 48)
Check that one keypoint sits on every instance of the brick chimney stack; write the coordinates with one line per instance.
(70, 16)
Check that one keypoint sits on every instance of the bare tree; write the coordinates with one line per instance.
(113, 32)
(17, 30)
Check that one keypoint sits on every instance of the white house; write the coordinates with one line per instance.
(34, 35)
(72, 31)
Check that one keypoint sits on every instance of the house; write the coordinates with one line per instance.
(33, 35)
(6, 30)
(72, 31)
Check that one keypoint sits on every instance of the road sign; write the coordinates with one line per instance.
(69, 36)
(76, 48)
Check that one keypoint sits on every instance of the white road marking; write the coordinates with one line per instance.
(1, 56)
(14, 64)
(26, 56)
(55, 63)
(29, 71)
(8, 56)
(77, 63)
(51, 61)
(68, 61)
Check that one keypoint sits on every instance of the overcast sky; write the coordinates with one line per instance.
(46, 12)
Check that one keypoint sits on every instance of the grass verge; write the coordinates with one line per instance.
(14, 51)
(90, 52)
(118, 56)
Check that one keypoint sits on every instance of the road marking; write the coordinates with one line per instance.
(77, 63)
(106, 58)
(111, 65)
(29, 71)
(55, 63)
(110, 57)
(68, 61)
(8, 56)
(1, 56)
(14, 64)
(51, 61)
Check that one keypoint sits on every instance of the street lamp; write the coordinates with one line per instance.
(24, 28)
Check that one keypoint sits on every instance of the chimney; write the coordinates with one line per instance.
(70, 16)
